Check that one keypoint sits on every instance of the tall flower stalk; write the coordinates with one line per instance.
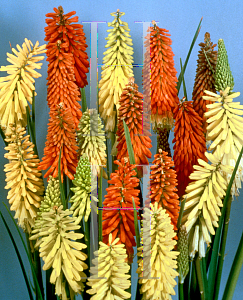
(118, 215)
(61, 27)
(131, 111)
(158, 260)
(61, 137)
(116, 70)
(189, 142)
(162, 87)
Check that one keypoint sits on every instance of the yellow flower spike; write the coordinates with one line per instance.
(157, 258)
(23, 178)
(225, 131)
(60, 250)
(203, 201)
(17, 88)
(110, 264)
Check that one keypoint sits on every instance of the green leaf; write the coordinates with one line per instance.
(19, 257)
(31, 131)
(39, 294)
(215, 250)
(83, 98)
(188, 56)
(234, 272)
(136, 223)
(129, 144)
(183, 80)
(63, 198)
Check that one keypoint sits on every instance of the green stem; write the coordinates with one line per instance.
(100, 206)
(183, 202)
(181, 290)
(108, 166)
(234, 272)
(30, 127)
(187, 282)
(194, 283)
(200, 279)
(205, 279)
(113, 138)
(222, 250)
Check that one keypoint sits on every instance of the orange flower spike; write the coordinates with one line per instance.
(131, 111)
(189, 142)
(60, 27)
(119, 219)
(61, 81)
(163, 79)
(163, 184)
(204, 79)
(61, 134)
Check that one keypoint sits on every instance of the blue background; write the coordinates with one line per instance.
(20, 19)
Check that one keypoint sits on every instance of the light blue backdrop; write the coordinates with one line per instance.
(20, 19)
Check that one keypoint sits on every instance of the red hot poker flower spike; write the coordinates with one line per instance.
(60, 27)
(61, 137)
(189, 142)
(119, 219)
(163, 184)
(204, 80)
(61, 81)
(131, 111)
(163, 77)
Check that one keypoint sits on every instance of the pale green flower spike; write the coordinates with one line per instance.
(183, 258)
(51, 199)
(91, 139)
(84, 182)
(223, 75)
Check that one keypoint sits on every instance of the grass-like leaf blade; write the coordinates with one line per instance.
(129, 144)
(83, 98)
(19, 257)
(187, 58)
(38, 291)
(62, 193)
(215, 250)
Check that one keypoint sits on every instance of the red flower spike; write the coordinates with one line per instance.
(60, 27)
(190, 143)
(61, 134)
(204, 80)
(119, 220)
(61, 81)
(159, 57)
(163, 184)
(131, 111)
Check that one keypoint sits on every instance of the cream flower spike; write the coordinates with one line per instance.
(157, 238)
(17, 89)
(60, 251)
(203, 201)
(24, 181)
(225, 129)
(111, 265)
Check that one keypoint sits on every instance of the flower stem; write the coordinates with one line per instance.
(200, 279)
(181, 290)
(234, 272)
(100, 206)
(222, 250)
